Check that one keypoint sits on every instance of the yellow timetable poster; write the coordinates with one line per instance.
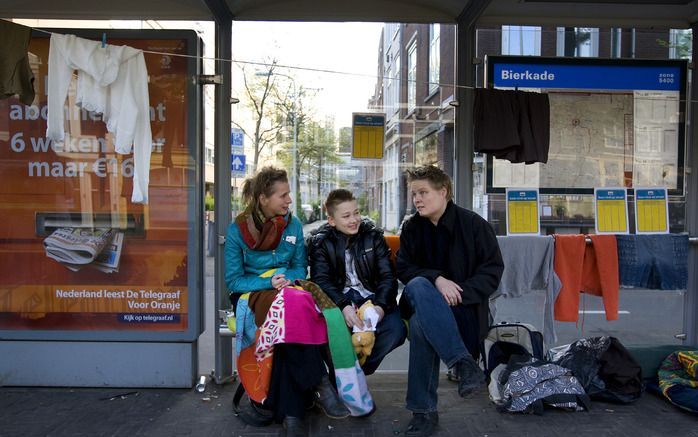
(367, 135)
(611, 206)
(523, 217)
(651, 211)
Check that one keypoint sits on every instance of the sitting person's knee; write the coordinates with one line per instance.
(418, 289)
(418, 282)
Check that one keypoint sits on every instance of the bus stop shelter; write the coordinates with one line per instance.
(466, 14)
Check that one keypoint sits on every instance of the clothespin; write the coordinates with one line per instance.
(104, 40)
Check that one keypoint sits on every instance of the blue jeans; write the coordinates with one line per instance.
(434, 337)
(653, 261)
(390, 334)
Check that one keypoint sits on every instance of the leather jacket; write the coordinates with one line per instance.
(371, 255)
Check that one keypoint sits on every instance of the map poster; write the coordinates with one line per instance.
(651, 211)
(613, 123)
(611, 205)
(523, 216)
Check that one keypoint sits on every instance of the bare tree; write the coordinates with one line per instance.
(316, 145)
(291, 103)
(261, 94)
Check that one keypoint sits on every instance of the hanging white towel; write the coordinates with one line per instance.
(113, 81)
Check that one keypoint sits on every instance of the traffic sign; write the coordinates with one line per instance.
(237, 165)
(237, 137)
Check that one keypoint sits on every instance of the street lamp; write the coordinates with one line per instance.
(294, 180)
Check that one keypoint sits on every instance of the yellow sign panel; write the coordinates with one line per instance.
(651, 211)
(611, 210)
(522, 212)
(368, 133)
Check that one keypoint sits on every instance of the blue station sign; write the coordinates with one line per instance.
(597, 77)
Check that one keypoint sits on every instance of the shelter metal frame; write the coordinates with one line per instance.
(466, 14)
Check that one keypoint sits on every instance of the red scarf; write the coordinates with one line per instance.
(260, 233)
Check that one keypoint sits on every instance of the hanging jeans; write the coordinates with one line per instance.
(653, 261)
(434, 336)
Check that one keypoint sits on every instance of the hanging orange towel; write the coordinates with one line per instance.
(583, 268)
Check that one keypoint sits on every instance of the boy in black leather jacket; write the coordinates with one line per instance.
(350, 261)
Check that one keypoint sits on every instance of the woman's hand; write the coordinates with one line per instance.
(279, 281)
(449, 290)
(351, 318)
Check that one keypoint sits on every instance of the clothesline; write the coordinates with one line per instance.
(323, 70)
(691, 240)
(283, 66)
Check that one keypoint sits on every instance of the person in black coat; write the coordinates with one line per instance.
(450, 263)
(350, 260)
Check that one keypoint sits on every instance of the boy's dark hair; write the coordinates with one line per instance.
(437, 178)
(336, 197)
(261, 183)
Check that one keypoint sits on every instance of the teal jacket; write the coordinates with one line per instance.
(244, 265)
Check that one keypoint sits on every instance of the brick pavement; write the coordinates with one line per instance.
(179, 412)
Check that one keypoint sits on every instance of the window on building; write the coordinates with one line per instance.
(434, 57)
(391, 84)
(392, 30)
(395, 91)
(426, 150)
(392, 87)
(209, 156)
(580, 42)
(521, 40)
(412, 76)
(680, 43)
(616, 40)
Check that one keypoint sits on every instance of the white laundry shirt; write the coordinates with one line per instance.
(112, 81)
(353, 280)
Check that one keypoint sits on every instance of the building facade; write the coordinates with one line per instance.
(416, 84)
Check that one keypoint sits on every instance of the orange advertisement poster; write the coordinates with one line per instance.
(75, 252)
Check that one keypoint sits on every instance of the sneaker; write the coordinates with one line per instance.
(422, 424)
(328, 400)
(470, 376)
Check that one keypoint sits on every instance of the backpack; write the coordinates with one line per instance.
(678, 379)
(527, 385)
(505, 340)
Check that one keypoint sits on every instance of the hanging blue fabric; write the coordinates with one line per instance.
(653, 261)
